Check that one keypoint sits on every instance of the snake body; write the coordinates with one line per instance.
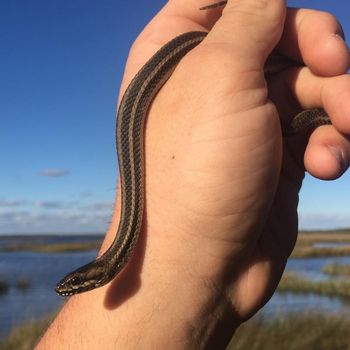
(129, 138)
(130, 124)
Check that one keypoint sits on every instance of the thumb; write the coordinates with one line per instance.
(250, 29)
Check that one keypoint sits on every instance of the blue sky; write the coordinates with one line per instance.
(61, 66)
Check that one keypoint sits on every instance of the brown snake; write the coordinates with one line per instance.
(129, 135)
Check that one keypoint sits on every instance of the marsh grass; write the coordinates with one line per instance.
(308, 331)
(304, 247)
(292, 282)
(314, 252)
(4, 286)
(337, 236)
(23, 283)
(54, 248)
(337, 269)
(26, 336)
(311, 331)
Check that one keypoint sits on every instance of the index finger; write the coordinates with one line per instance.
(179, 16)
(176, 17)
(316, 39)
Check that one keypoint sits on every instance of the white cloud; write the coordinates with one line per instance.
(54, 216)
(86, 194)
(54, 172)
(53, 204)
(101, 206)
(69, 217)
(12, 203)
(329, 220)
(27, 222)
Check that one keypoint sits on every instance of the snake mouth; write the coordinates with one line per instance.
(83, 279)
(71, 285)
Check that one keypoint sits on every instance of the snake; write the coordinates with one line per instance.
(131, 117)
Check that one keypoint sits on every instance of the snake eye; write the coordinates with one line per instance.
(73, 281)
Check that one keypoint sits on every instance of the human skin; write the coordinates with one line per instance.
(221, 183)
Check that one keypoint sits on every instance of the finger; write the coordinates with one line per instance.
(191, 10)
(251, 28)
(242, 17)
(176, 17)
(315, 39)
(237, 25)
(327, 154)
(331, 94)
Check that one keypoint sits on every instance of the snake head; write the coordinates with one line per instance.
(85, 278)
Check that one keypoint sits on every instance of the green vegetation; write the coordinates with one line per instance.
(23, 283)
(337, 270)
(310, 238)
(313, 252)
(54, 248)
(344, 232)
(25, 337)
(292, 282)
(311, 331)
(304, 247)
(305, 244)
(4, 287)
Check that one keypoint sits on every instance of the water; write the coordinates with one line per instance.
(331, 245)
(288, 302)
(43, 270)
(312, 268)
(9, 241)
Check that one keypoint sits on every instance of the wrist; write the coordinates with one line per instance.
(179, 297)
(155, 302)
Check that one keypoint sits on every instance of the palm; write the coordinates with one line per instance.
(279, 233)
(223, 161)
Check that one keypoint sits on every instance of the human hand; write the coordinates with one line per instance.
(219, 175)
(221, 183)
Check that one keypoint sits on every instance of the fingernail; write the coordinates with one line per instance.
(340, 32)
(341, 38)
(341, 156)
